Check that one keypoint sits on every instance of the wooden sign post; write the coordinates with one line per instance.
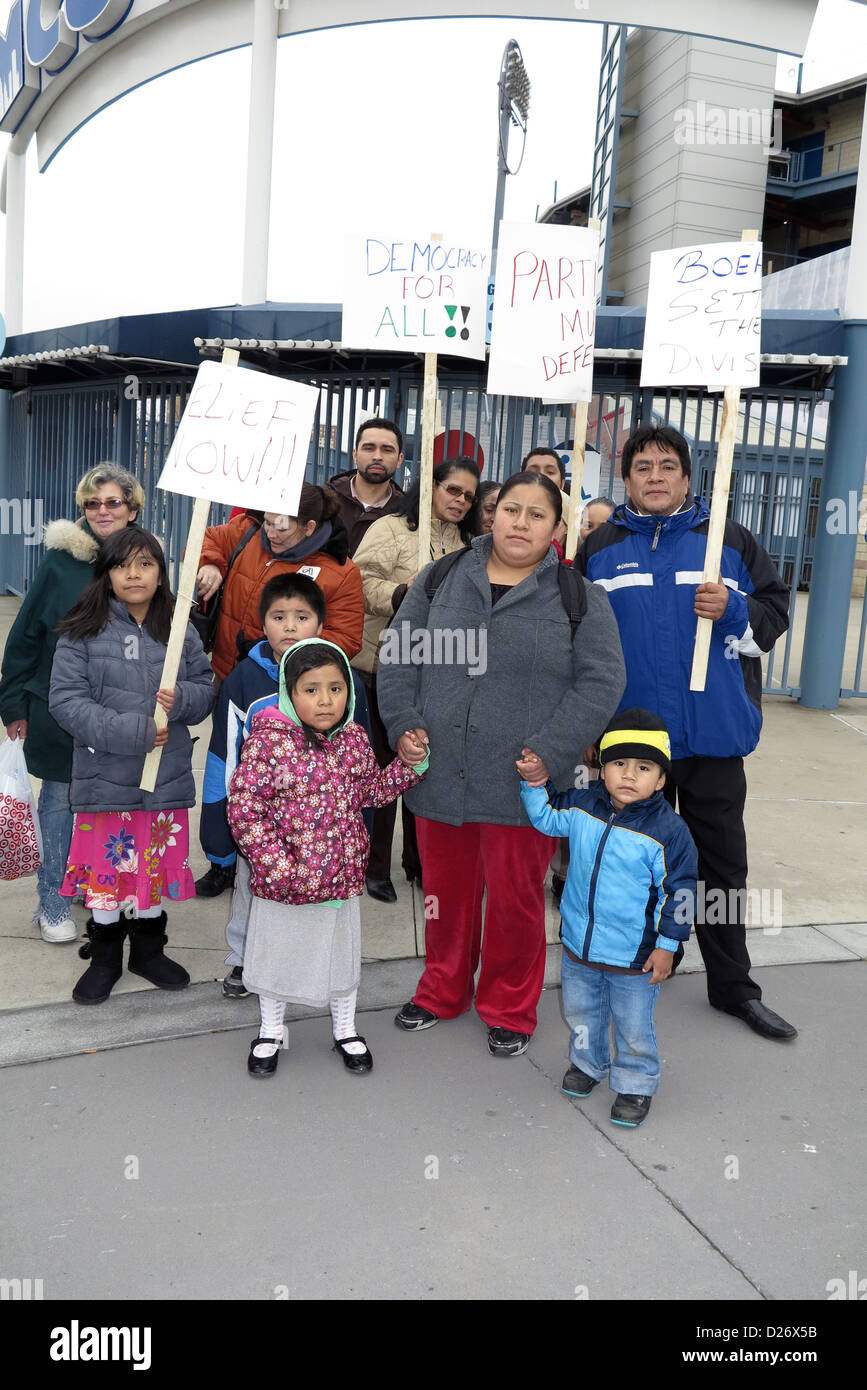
(243, 439)
(579, 437)
(428, 430)
(703, 328)
(718, 511)
(184, 601)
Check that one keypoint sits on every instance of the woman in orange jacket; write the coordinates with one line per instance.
(314, 543)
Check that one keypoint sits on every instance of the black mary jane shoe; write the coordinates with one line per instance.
(357, 1062)
(263, 1066)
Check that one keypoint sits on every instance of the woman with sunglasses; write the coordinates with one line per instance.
(109, 499)
(388, 560)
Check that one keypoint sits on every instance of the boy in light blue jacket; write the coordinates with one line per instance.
(629, 899)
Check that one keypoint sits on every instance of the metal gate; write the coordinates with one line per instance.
(58, 433)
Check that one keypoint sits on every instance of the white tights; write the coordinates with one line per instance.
(272, 1011)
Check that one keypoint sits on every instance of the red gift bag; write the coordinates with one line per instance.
(20, 836)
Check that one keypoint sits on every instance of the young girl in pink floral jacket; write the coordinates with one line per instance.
(294, 808)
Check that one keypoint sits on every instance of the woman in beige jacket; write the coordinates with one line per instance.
(388, 560)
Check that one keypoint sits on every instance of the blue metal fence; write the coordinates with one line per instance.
(56, 434)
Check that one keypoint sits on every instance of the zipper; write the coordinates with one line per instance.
(656, 535)
(592, 889)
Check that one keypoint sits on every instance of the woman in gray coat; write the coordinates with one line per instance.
(511, 654)
(129, 847)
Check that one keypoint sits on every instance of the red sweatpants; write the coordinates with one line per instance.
(459, 863)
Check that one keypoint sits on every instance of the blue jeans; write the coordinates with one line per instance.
(592, 1000)
(55, 820)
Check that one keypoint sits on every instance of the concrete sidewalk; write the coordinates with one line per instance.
(806, 820)
(165, 1172)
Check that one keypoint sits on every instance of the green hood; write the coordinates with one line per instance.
(285, 703)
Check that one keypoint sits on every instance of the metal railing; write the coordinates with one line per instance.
(805, 166)
(58, 433)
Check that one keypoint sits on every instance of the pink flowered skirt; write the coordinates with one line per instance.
(119, 859)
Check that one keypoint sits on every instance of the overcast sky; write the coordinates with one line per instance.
(379, 127)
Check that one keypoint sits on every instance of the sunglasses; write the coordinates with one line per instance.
(454, 491)
(93, 504)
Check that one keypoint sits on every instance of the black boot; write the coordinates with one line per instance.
(106, 962)
(147, 937)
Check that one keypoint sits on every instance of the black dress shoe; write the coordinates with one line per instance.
(263, 1066)
(382, 889)
(214, 882)
(357, 1062)
(761, 1019)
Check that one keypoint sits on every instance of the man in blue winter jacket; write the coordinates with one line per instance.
(649, 558)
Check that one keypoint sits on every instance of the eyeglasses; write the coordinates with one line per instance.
(93, 504)
(454, 491)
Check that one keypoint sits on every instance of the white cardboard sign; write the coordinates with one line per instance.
(242, 439)
(544, 312)
(415, 294)
(704, 316)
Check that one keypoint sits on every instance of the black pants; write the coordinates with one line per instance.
(710, 796)
(379, 864)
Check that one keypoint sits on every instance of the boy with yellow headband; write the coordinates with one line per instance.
(632, 859)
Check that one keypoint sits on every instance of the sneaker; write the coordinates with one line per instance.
(412, 1018)
(577, 1083)
(233, 984)
(630, 1110)
(58, 932)
(214, 882)
(502, 1042)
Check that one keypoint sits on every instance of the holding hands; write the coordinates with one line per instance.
(412, 747)
(531, 768)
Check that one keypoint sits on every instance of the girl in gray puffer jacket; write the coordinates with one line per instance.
(129, 848)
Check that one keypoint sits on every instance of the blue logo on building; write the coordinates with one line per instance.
(29, 47)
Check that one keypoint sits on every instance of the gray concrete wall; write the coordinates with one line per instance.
(685, 189)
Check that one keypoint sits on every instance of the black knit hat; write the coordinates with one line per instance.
(636, 733)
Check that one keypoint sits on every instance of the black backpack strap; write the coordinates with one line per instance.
(438, 571)
(572, 587)
(573, 593)
(247, 536)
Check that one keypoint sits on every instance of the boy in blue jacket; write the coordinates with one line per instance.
(628, 901)
(291, 607)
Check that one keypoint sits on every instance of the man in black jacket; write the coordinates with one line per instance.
(369, 491)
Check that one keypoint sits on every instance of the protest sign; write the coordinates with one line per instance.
(425, 294)
(544, 312)
(243, 439)
(704, 316)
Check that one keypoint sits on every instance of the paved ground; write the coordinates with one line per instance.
(141, 1162)
(164, 1171)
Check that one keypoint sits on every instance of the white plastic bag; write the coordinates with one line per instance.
(20, 835)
